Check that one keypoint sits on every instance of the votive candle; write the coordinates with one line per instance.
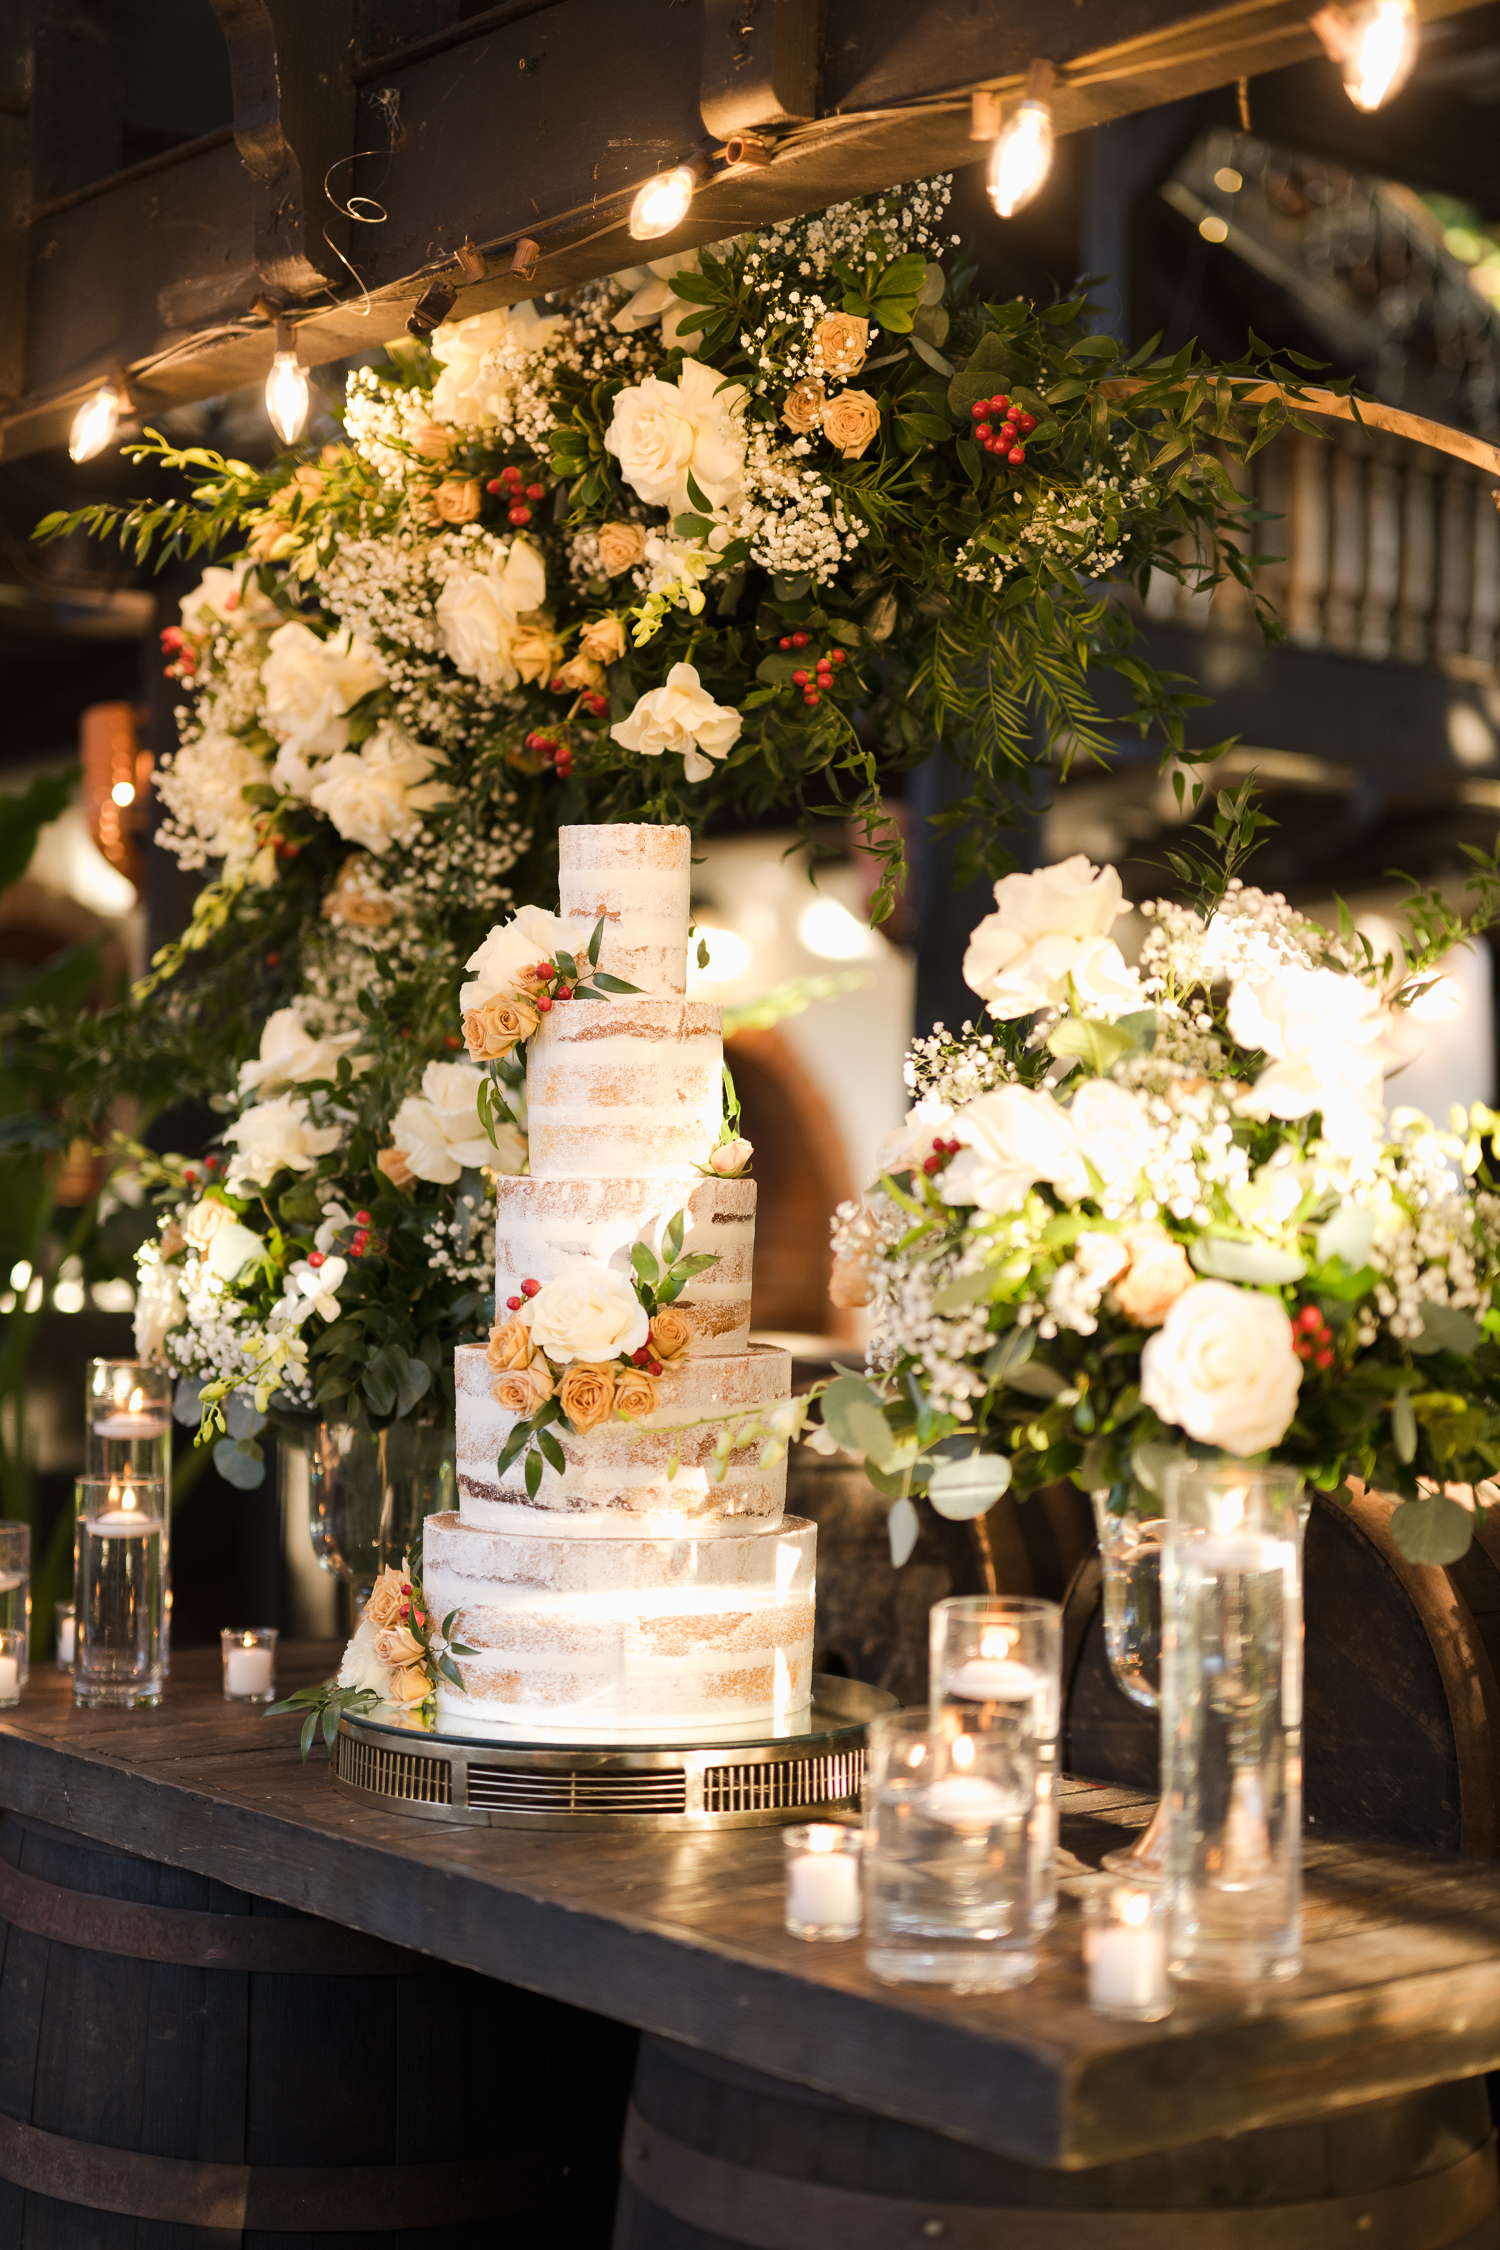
(822, 1881)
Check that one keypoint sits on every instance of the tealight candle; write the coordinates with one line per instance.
(125, 1424)
(988, 1679)
(10, 1680)
(822, 1881)
(67, 1636)
(249, 1663)
(1125, 1946)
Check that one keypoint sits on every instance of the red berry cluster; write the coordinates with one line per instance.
(645, 1358)
(176, 645)
(211, 1164)
(819, 682)
(512, 483)
(407, 1611)
(998, 426)
(558, 753)
(1312, 1337)
(529, 1288)
(943, 1153)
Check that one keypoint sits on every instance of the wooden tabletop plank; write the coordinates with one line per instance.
(682, 1935)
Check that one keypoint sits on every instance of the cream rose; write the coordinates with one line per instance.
(361, 1667)
(477, 612)
(802, 408)
(851, 422)
(840, 342)
(652, 296)
(438, 1131)
(603, 641)
(1222, 1367)
(457, 500)
(310, 686)
(681, 716)
(277, 1135)
(231, 1249)
(731, 1159)
(587, 1313)
(621, 546)
(532, 935)
(204, 1221)
(1113, 1132)
(662, 432)
(1156, 1277)
(1048, 927)
(1012, 1138)
(290, 1054)
(375, 795)
(481, 358)
(927, 1122)
(227, 597)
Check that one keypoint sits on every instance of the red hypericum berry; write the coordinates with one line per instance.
(359, 1246)
(931, 1164)
(799, 640)
(510, 473)
(799, 679)
(786, 640)
(187, 662)
(451, 1039)
(1026, 423)
(544, 1003)
(565, 992)
(999, 404)
(559, 687)
(189, 1173)
(639, 1359)
(564, 769)
(1324, 1358)
(172, 636)
(980, 408)
(519, 514)
(825, 672)
(595, 704)
(536, 492)
(983, 430)
(272, 959)
(1016, 456)
(546, 970)
(210, 1164)
(653, 1367)
(530, 1288)
(169, 671)
(812, 696)
(1309, 1317)
(362, 1218)
(837, 656)
(513, 1304)
(1007, 433)
(494, 485)
(1302, 1348)
(315, 1258)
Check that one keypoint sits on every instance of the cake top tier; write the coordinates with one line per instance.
(638, 877)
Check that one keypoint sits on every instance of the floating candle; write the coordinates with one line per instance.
(993, 1680)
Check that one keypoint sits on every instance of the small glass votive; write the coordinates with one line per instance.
(996, 1663)
(249, 1663)
(15, 1582)
(1125, 1949)
(66, 1624)
(12, 1664)
(128, 1419)
(822, 1880)
(119, 1592)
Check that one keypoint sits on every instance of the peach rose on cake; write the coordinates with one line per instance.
(671, 1333)
(492, 1031)
(635, 1393)
(383, 1609)
(409, 1684)
(512, 950)
(586, 1395)
(510, 1346)
(522, 1393)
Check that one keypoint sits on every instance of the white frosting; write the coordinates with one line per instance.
(625, 1089)
(638, 877)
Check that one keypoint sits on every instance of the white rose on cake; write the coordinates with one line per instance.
(311, 686)
(361, 1667)
(375, 795)
(276, 1135)
(661, 432)
(588, 1313)
(681, 716)
(511, 949)
(1222, 1367)
(290, 1054)
(1047, 928)
(438, 1131)
(477, 375)
(1012, 1138)
(479, 608)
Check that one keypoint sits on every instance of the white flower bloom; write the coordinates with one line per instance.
(277, 1134)
(1330, 1040)
(310, 687)
(334, 1222)
(290, 1055)
(438, 1131)
(477, 612)
(159, 1306)
(530, 937)
(480, 357)
(202, 784)
(1011, 1139)
(589, 1313)
(654, 298)
(1222, 1368)
(316, 1287)
(1113, 1131)
(681, 716)
(374, 795)
(662, 432)
(1048, 927)
(231, 1249)
(361, 1667)
(911, 1143)
(227, 597)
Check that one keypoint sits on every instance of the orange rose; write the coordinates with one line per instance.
(841, 343)
(1156, 1277)
(587, 1395)
(392, 1162)
(603, 640)
(383, 1609)
(535, 649)
(580, 671)
(850, 422)
(635, 1393)
(457, 500)
(802, 408)
(409, 1684)
(671, 1333)
(523, 1393)
(510, 1346)
(395, 1645)
(621, 546)
(851, 1283)
(432, 440)
(492, 1030)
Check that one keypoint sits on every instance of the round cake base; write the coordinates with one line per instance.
(810, 1768)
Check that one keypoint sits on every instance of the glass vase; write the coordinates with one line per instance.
(1130, 1545)
(1231, 1586)
(369, 1491)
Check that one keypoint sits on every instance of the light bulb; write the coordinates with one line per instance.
(1021, 158)
(1383, 39)
(96, 422)
(287, 396)
(123, 792)
(663, 203)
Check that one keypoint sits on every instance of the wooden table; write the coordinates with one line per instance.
(683, 1937)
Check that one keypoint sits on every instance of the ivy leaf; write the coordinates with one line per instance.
(1446, 1329)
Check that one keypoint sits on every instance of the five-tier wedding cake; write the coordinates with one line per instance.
(627, 1589)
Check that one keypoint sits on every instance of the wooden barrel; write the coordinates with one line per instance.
(715, 2155)
(186, 2067)
(1401, 1737)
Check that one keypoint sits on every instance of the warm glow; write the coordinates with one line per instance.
(1232, 1509)
(1021, 158)
(137, 1401)
(916, 1753)
(728, 955)
(127, 1497)
(1228, 179)
(1383, 39)
(287, 396)
(963, 1752)
(1213, 228)
(20, 1273)
(1132, 1907)
(821, 1837)
(999, 1642)
(662, 203)
(95, 423)
(831, 930)
(123, 792)
(1440, 1003)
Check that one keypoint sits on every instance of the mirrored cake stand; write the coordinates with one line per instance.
(806, 1767)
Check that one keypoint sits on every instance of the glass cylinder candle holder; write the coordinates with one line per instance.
(128, 1411)
(15, 1586)
(946, 1856)
(12, 1664)
(1125, 1949)
(822, 1880)
(119, 1591)
(997, 1664)
(65, 1635)
(1231, 1580)
(249, 1656)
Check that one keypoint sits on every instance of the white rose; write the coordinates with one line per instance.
(653, 297)
(1113, 1132)
(681, 716)
(276, 1134)
(361, 1667)
(911, 1144)
(477, 612)
(482, 357)
(1047, 927)
(1222, 1367)
(531, 936)
(1011, 1138)
(374, 795)
(587, 1313)
(1330, 1040)
(310, 686)
(438, 1131)
(227, 597)
(659, 432)
(232, 1247)
(290, 1055)
(158, 1306)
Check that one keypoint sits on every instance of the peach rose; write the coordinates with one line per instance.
(409, 1684)
(621, 546)
(392, 1162)
(432, 440)
(850, 422)
(397, 1645)
(492, 1031)
(671, 1333)
(731, 1159)
(510, 1346)
(841, 343)
(851, 1283)
(355, 902)
(802, 408)
(603, 640)
(383, 1609)
(270, 540)
(587, 1395)
(535, 649)
(635, 1393)
(523, 1393)
(457, 500)
(1156, 1277)
(580, 671)
(204, 1221)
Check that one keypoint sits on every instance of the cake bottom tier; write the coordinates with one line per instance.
(625, 1632)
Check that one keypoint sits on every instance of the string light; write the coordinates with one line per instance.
(1375, 45)
(97, 420)
(1022, 155)
(287, 394)
(663, 202)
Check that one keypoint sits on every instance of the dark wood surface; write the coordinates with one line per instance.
(683, 1937)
